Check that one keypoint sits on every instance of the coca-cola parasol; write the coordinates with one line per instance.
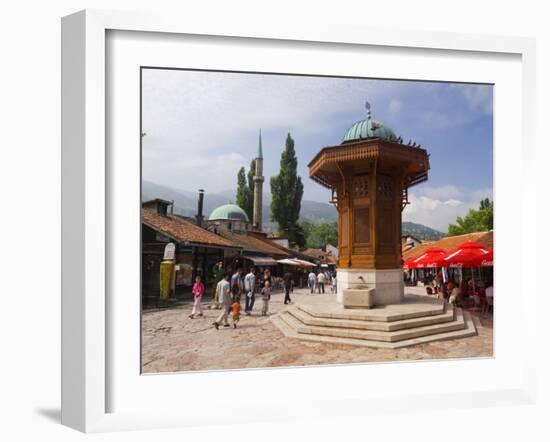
(487, 260)
(469, 254)
(431, 258)
(409, 264)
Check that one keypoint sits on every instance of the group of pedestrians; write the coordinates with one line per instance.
(317, 281)
(230, 291)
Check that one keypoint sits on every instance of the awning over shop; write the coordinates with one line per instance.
(261, 260)
(296, 262)
(289, 262)
(304, 263)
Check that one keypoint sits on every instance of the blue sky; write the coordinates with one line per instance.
(203, 126)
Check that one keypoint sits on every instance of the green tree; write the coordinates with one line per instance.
(298, 234)
(244, 195)
(251, 172)
(286, 193)
(307, 227)
(322, 234)
(475, 221)
(485, 204)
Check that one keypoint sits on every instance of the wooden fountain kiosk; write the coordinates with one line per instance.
(369, 175)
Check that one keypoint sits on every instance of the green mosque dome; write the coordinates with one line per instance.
(368, 129)
(229, 211)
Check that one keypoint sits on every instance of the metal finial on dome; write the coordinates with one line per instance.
(367, 106)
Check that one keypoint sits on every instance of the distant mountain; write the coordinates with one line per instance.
(185, 203)
(420, 231)
(317, 212)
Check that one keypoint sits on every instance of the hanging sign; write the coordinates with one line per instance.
(170, 251)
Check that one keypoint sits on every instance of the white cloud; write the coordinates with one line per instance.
(219, 170)
(441, 192)
(395, 106)
(437, 207)
(478, 97)
(198, 111)
(203, 126)
(453, 202)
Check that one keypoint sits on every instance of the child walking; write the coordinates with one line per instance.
(266, 296)
(198, 291)
(235, 312)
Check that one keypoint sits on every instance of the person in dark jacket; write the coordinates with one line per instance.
(287, 281)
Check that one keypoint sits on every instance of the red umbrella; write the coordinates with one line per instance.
(431, 258)
(469, 254)
(487, 261)
(409, 264)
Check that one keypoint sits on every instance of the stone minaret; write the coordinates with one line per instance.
(258, 187)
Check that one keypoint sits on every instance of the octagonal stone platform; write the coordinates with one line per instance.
(417, 320)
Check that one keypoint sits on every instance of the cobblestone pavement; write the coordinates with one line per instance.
(174, 342)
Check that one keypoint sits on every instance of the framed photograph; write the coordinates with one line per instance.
(289, 208)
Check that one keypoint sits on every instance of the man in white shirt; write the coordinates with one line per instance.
(311, 279)
(249, 287)
(321, 282)
(224, 298)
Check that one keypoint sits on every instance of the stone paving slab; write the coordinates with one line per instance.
(172, 342)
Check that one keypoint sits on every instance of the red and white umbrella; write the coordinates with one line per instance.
(487, 260)
(431, 258)
(409, 264)
(469, 254)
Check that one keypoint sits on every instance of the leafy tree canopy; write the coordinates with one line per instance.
(317, 236)
(475, 221)
(244, 194)
(251, 173)
(286, 193)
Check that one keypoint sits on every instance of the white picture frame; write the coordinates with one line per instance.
(86, 212)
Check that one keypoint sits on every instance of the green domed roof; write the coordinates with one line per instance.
(368, 129)
(229, 211)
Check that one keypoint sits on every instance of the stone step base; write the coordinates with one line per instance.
(302, 314)
(457, 323)
(414, 307)
(462, 326)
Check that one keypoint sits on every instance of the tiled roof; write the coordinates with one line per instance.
(182, 230)
(286, 251)
(314, 253)
(410, 246)
(451, 243)
(252, 244)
